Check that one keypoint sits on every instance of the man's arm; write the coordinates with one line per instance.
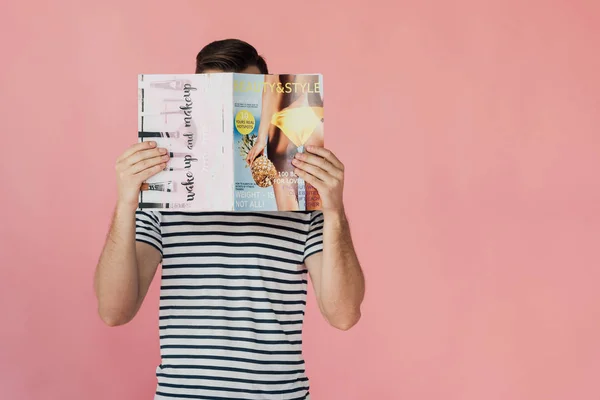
(336, 273)
(124, 272)
(126, 267)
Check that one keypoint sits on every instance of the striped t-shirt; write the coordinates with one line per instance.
(232, 301)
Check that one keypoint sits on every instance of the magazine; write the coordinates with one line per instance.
(231, 139)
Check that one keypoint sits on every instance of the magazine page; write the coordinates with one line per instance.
(275, 116)
(188, 115)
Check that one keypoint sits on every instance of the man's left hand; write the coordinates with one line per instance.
(322, 169)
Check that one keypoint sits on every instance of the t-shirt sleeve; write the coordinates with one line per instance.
(147, 228)
(314, 239)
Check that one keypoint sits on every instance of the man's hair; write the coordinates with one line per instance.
(229, 55)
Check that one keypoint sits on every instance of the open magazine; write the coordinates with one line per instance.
(231, 138)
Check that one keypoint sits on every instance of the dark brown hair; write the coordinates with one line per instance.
(229, 55)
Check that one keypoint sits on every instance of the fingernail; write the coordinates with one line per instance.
(152, 144)
(163, 151)
(165, 157)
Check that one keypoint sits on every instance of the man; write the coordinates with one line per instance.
(233, 288)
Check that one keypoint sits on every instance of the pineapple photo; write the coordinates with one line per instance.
(262, 169)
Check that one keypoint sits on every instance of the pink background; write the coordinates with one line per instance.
(471, 134)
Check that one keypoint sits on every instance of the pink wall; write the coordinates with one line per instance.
(471, 133)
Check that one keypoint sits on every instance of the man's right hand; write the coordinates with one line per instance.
(138, 163)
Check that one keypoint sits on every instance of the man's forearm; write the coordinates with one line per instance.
(117, 277)
(342, 281)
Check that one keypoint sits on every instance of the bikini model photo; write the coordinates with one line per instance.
(291, 119)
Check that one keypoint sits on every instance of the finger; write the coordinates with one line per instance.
(135, 148)
(148, 163)
(311, 179)
(312, 169)
(144, 155)
(321, 163)
(326, 154)
(149, 172)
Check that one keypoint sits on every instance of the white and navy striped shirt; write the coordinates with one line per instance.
(232, 301)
